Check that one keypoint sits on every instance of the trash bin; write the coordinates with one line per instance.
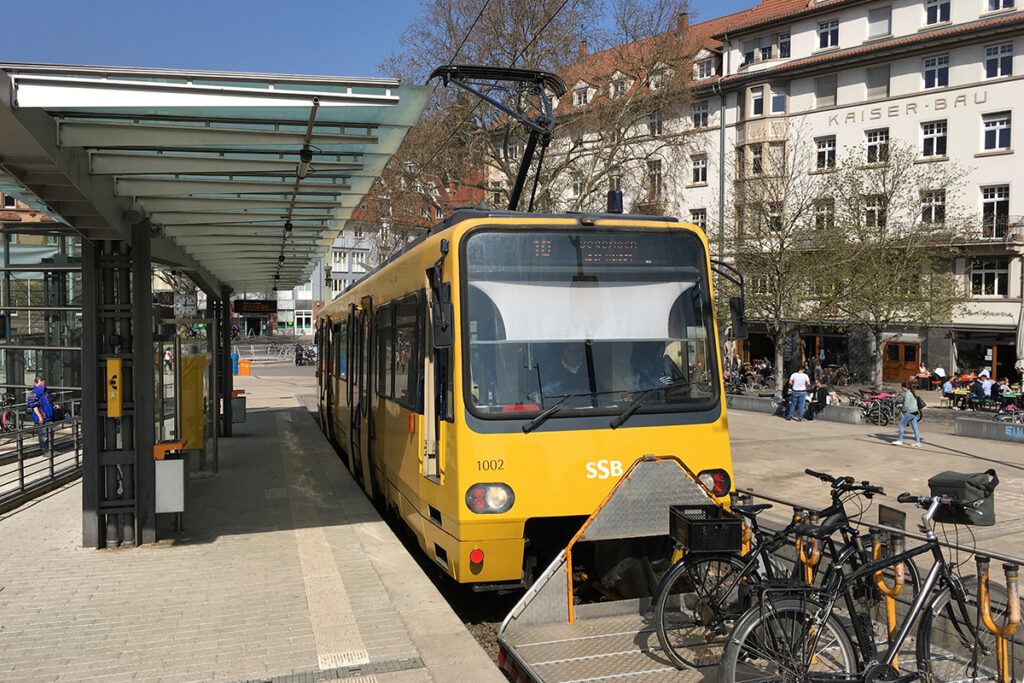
(234, 364)
(238, 408)
(243, 367)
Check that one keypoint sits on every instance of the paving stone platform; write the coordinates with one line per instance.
(283, 572)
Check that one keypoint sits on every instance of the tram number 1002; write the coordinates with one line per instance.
(489, 465)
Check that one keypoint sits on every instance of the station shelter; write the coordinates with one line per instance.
(235, 182)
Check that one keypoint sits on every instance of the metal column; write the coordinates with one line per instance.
(118, 474)
(227, 379)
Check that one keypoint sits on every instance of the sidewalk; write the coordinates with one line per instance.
(284, 572)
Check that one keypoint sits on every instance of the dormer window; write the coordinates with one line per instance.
(657, 81)
(619, 87)
(705, 68)
(580, 97)
(774, 46)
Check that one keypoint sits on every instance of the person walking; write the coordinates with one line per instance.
(911, 413)
(799, 381)
(298, 354)
(41, 405)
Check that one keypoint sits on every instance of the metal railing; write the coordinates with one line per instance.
(26, 471)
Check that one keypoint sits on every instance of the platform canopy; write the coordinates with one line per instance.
(216, 162)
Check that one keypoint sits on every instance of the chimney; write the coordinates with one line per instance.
(682, 22)
(583, 49)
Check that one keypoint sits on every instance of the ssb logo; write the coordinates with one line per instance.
(602, 469)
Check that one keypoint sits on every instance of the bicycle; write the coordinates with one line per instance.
(9, 418)
(1010, 414)
(794, 632)
(701, 594)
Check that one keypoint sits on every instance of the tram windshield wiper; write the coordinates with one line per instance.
(543, 417)
(632, 408)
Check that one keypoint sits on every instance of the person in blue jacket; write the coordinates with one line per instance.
(41, 405)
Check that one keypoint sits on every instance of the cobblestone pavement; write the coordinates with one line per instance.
(283, 572)
(770, 455)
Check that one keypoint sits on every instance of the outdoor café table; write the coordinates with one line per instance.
(960, 398)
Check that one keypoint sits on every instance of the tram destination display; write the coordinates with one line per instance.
(255, 306)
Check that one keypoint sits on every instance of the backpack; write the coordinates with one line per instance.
(920, 402)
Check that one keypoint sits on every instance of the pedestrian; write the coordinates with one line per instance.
(799, 381)
(911, 414)
(819, 399)
(42, 411)
(298, 354)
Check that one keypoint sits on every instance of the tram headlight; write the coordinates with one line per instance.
(490, 499)
(717, 481)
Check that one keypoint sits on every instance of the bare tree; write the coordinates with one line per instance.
(782, 232)
(902, 224)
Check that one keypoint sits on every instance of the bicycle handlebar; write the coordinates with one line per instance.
(846, 483)
(926, 501)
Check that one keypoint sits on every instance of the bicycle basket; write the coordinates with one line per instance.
(965, 489)
(706, 528)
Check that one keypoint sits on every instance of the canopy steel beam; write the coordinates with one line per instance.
(172, 186)
(78, 133)
(190, 204)
(216, 218)
(131, 163)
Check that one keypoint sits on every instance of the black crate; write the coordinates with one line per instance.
(705, 528)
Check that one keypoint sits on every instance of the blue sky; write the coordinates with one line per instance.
(326, 37)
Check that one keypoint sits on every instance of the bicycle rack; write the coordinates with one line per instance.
(809, 562)
(894, 545)
(1011, 620)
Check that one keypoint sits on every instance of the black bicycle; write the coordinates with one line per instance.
(795, 632)
(702, 594)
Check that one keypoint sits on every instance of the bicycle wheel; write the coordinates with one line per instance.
(777, 640)
(946, 651)
(696, 600)
(8, 420)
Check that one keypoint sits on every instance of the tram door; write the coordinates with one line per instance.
(363, 423)
(329, 363)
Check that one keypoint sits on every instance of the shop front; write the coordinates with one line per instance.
(995, 351)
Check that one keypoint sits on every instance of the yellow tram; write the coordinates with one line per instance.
(492, 381)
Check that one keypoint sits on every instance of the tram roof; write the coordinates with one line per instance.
(211, 158)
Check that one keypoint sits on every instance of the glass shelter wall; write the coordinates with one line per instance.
(40, 311)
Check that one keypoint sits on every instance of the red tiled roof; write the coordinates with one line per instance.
(884, 45)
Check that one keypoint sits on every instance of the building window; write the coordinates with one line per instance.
(995, 210)
(777, 157)
(577, 187)
(877, 81)
(828, 34)
(879, 22)
(824, 213)
(512, 150)
(654, 123)
(619, 87)
(825, 91)
(779, 96)
(704, 69)
(936, 72)
(878, 145)
(773, 216)
(337, 287)
(933, 206)
(757, 101)
(654, 179)
(997, 131)
(700, 114)
(765, 48)
(741, 162)
(657, 80)
(10, 202)
(990, 277)
(748, 52)
(579, 97)
(936, 11)
(996, 5)
(999, 61)
(699, 217)
(495, 194)
(784, 45)
(756, 160)
(700, 169)
(874, 211)
(826, 152)
(933, 135)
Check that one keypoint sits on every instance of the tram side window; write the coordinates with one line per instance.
(342, 345)
(406, 348)
(385, 351)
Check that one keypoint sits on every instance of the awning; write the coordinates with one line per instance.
(214, 161)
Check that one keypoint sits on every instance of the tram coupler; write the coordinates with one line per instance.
(894, 544)
(1010, 622)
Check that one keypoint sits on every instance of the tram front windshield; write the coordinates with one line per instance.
(591, 321)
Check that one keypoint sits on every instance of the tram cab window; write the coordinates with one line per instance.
(342, 345)
(595, 320)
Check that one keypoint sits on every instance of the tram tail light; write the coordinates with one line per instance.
(717, 481)
(489, 499)
(476, 556)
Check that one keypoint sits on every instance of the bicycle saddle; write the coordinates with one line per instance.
(750, 510)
